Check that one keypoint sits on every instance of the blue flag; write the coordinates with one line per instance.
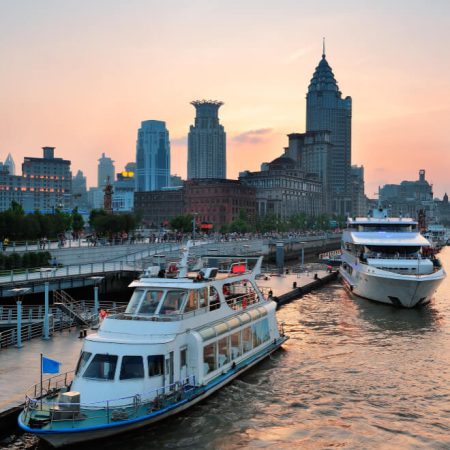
(50, 365)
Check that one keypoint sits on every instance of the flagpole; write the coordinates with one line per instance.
(41, 381)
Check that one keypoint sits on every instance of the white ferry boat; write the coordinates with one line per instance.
(179, 340)
(387, 260)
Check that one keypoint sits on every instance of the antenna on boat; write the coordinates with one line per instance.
(183, 266)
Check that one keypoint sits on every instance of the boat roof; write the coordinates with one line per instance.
(387, 238)
(187, 282)
(382, 220)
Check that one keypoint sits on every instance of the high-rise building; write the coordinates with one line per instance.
(152, 156)
(47, 183)
(105, 169)
(207, 142)
(79, 191)
(327, 110)
(9, 163)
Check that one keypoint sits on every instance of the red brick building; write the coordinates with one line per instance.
(219, 201)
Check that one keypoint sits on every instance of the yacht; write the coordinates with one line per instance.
(387, 260)
(179, 340)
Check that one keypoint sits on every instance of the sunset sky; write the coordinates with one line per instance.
(81, 76)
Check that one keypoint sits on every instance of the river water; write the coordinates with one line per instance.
(354, 374)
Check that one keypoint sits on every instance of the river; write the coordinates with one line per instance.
(354, 374)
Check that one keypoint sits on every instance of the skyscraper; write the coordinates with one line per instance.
(207, 142)
(326, 110)
(152, 156)
(105, 169)
(9, 163)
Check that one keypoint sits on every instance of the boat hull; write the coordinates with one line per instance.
(69, 436)
(404, 291)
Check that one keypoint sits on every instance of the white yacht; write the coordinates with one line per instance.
(178, 341)
(387, 260)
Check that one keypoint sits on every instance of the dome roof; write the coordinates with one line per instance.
(283, 162)
(323, 78)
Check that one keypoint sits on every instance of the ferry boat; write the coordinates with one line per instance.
(178, 341)
(387, 260)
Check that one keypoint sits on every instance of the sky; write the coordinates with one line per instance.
(82, 75)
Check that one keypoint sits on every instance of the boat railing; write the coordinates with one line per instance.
(50, 411)
(407, 256)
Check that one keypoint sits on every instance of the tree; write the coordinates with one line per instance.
(77, 222)
(182, 223)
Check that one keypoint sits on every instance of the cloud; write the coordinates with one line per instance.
(253, 136)
(179, 141)
(298, 54)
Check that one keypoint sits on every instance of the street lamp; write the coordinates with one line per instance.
(97, 280)
(18, 293)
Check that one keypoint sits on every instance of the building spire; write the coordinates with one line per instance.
(323, 48)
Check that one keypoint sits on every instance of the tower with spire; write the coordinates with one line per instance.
(326, 110)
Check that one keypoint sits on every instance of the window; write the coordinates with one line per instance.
(209, 358)
(155, 365)
(247, 339)
(214, 301)
(134, 301)
(173, 302)
(102, 367)
(150, 302)
(183, 357)
(192, 302)
(236, 345)
(223, 357)
(132, 367)
(84, 358)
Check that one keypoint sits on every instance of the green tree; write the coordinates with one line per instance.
(77, 222)
(182, 223)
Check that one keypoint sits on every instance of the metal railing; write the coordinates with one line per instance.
(105, 411)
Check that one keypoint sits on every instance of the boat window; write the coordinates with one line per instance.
(150, 301)
(192, 302)
(132, 367)
(155, 365)
(209, 358)
(214, 301)
(84, 358)
(233, 323)
(244, 318)
(207, 333)
(134, 301)
(102, 367)
(223, 356)
(173, 302)
(183, 359)
(221, 328)
(260, 331)
(247, 339)
(203, 297)
(236, 350)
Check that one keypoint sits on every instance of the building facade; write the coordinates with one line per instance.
(312, 153)
(10, 188)
(106, 170)
(219, 202)
(283, 189)
(47, 183)
(10, 164)
(79, 191)
(123, 192)
(158, 208)
(359, 199)
(152, 156)
(206, 143)
(327, 110)
(408, 197)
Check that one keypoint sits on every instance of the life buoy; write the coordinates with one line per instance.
(244, 303)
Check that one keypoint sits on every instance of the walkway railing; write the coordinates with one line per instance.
(76, 415)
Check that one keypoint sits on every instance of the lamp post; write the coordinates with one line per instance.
(18, 293)
(97, 281)
(194, 215)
